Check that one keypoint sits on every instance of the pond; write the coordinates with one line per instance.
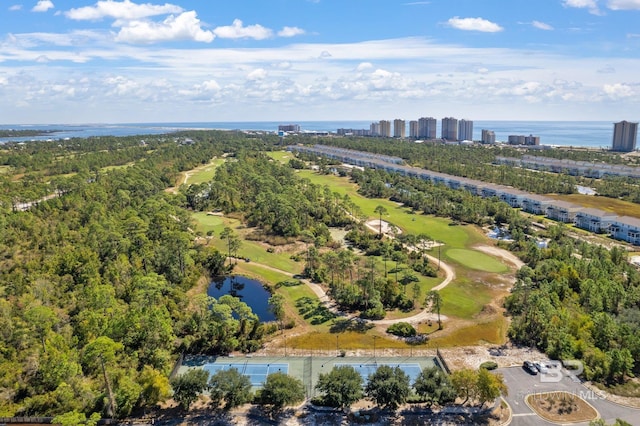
(249, 291)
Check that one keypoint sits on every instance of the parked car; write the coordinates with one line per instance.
(530, 368)
(541, 367)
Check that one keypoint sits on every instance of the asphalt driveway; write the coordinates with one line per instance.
(520, 384)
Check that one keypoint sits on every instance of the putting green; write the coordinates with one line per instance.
(476, 260)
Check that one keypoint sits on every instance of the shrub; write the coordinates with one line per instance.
(402, 329)
(489, 365)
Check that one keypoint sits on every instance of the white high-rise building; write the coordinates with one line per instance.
(488, 136)
(413, 129)
(427, 127)
(449, 129)
(385, 128)
(624, 136)
(465, 130)
(399, 128)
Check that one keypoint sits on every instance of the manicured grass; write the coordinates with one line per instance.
(436, 228)
(204, 173)
(281, 156)
(620, 207)
(476, 260)
(464, 299)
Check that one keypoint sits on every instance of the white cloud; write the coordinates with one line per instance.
(542, 26)
(43, 6)
(624, 4)
(257, 74)
(238, 30)
(185, 26)
(15, 7)
(290, 32)
(592, 5)
(363, 66)
(124, 10)
(606, 70)
(474, 24)
(211, 85)
(618, 90)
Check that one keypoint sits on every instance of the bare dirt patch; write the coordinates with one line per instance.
(561, 407)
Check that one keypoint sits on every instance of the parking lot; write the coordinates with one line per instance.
(520, 384)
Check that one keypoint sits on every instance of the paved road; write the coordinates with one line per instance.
(521, 384)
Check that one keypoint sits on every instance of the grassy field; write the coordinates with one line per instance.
(203, 173)
(620, 207)
(476, 260)
(253, 250)
(458, 236)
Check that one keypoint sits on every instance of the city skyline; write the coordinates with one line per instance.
(127, 61)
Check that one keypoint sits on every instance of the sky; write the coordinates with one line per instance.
(126, 61)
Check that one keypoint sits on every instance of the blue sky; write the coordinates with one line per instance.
(285, 60)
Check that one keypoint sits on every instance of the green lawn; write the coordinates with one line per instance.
(476, 260)
(204, 173)
(436, 228)
(464, 299)
(281, 156)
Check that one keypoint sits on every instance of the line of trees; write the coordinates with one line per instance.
(389, 387)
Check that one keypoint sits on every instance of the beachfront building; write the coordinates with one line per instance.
(289, 128)
(374, 129)
(624, 136)
(465, 130)
(427, 128)
(488, 136)
(385, 128)
(523, 140)
(399, 128)
(449, 129)
(413, 129)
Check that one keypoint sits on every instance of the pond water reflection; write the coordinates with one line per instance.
(249, 291)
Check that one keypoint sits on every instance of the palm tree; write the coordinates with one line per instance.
(380, 210)
(434, 300)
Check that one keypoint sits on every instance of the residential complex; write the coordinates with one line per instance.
(624, 136)
(523, 140)
(465, 130)
(623, 228)
(449, 129)
(488, 136)
(427, 128)
(399, 128)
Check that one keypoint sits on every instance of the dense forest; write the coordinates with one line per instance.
(94, 280)
(477, 162)
(581, 301)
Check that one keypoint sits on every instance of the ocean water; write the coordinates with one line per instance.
(592, 134)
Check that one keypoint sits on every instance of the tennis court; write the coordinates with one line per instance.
(365, 370)
(305, 368)
(257, 373)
